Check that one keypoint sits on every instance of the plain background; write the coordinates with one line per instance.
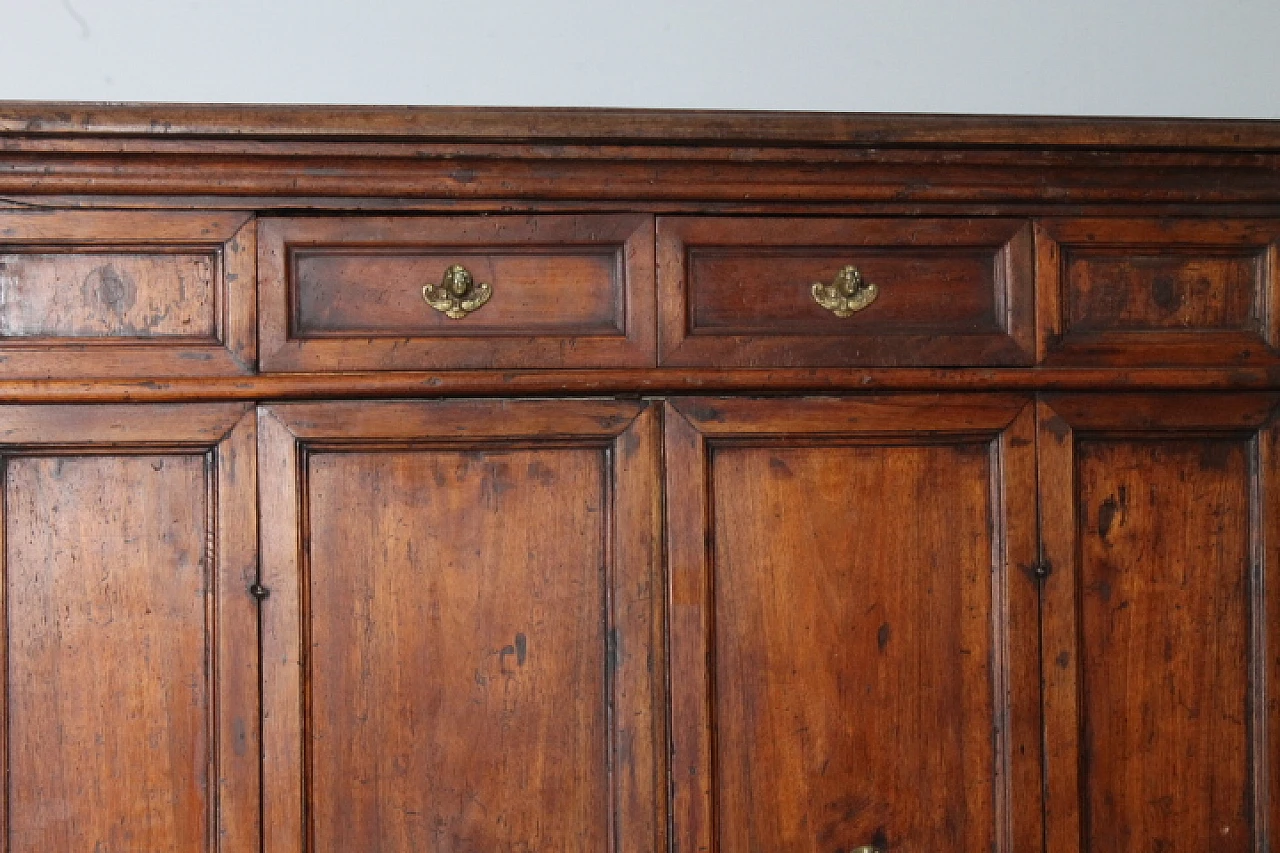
(1071, 57)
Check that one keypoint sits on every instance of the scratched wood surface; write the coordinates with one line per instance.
(737, 291)
(847, 600)
(567, 291)
(1158, 652)
(130, 695)
(1159, 291)
(107, 295)
(126, 293)
(478, 667)
(465, 625)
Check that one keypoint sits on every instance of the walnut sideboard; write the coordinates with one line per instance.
(582, 481)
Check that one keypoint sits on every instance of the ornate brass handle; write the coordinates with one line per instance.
(847, 294)
(458, 294)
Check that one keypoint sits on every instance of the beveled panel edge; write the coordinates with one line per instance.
(123, 425)
(940, 414)
(228, 235)
(1056, 343)
(1062, 421)
(1010, 344)
(445, 421)
(626, 434)
(631, 345)
(693, 429)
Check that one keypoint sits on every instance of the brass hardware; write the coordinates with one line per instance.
(868, 848)
(458, 294)
(847, 294)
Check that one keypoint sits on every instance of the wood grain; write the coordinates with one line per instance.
(356, 385)
(605, 126)
(736, 292)
(1158, 291)
(1157, 706)
(130, 696)
(820, 611)
(568, 291)
(94, 294)
(1163, 531)
(474, 620)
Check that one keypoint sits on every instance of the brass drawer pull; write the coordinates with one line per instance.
(847, 294)
(458, 294)
(868, 848)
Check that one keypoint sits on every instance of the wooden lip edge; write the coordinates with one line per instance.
(624, 126)
(636, 383)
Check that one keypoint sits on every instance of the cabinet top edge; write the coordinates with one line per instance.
(579, 125)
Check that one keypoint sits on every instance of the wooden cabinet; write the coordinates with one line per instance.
(456, 481)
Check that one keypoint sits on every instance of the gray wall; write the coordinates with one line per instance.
(1122, 57)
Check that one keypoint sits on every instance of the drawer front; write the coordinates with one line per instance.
(1158, 291)
(118, 294)
(369, 293)
(741, 292)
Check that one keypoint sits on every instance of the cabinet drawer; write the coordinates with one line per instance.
(357, 293)
(1158, 291)
(118, 294)
(741, 292)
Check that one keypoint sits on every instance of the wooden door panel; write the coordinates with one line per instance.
(472, 612)
(90, 293)
(130, 698)
(1156, 655)
(853, 615)
(1158, 291)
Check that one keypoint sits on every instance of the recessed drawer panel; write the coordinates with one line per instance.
(1158, 291)
(845, 292)
(427, 293)
(91, 293)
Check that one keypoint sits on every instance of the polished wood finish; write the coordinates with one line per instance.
(1159, 291)
(686, 564)
(605, 126)
(130, 698)
(463, 610)
(1159, 654)
(347, 294)
(95, 294)
(822, 609)
(736, 292)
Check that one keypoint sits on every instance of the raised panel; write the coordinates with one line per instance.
(1157, 654)
(457, 649)
(348, 293)
(1158, 291)
(566, 291)
(129, 697)
(108, 295)
(854, 625)
(738, 291)
(86, 293)
(117, 754)
(475, 607)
